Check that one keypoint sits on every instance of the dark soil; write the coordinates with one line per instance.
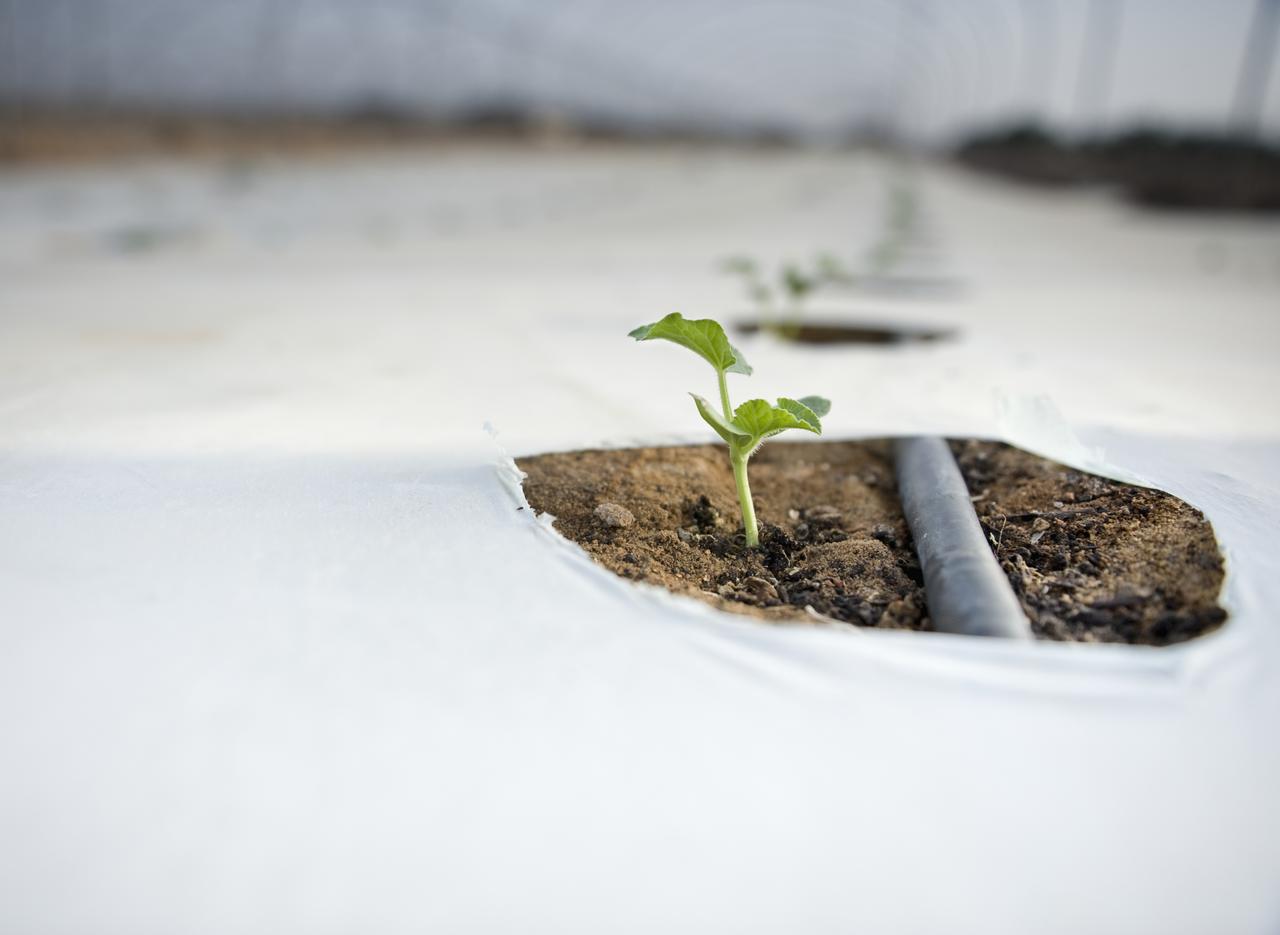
(1092, 559)
(846, 333)
(1150, 167)
(832, 532)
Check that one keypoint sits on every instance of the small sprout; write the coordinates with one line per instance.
(743, 429)
(902, 209)
(740, 265)
(829, 270)
(748, 270)
(883, 256)
(781, 302)
(797, 283)
(899, 228)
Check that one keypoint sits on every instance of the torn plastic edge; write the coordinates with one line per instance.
(1041, 667)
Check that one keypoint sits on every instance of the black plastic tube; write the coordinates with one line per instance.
(966, 590)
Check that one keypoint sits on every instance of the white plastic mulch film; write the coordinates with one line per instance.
(281, 651)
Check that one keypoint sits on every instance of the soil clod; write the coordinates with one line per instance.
(613, 516)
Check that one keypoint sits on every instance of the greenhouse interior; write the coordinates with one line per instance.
(592, 467)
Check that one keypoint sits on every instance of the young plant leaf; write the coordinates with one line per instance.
(740, 364)
(802, 412)
(753, 421)
(726, 430)
(818, 404)
(739, 265)
(760, 420)
(829, 269)
(703, 336)
(796, 281)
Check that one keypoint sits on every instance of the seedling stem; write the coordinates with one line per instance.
(739, 461)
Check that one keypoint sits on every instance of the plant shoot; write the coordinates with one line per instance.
(743, 429)
(781, 304)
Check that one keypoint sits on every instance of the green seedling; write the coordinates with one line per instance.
(797, 283)
(748, 270)
(899, 229)
(883, 257)
(743, 429)
(781, 305)
(828, 270)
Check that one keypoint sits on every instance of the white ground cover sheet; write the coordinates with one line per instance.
(279, 652)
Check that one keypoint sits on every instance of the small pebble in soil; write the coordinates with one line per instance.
(613, 516)
(760, 589)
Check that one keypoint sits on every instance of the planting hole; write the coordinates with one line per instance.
(845, 333)
(1090, 559)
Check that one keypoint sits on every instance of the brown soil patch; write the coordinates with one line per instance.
(1092, 559)
(832, 532)
(39, 135)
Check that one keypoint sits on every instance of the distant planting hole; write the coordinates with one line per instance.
(857, 333)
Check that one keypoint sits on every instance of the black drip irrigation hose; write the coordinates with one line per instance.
(966, 590)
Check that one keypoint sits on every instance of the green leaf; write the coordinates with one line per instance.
(760, 420)
(726, 430)
(756, 418)
(829, 269)
(803, 413)
(796, 281)
(818, 404)
(740, 265)
(703, 336)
